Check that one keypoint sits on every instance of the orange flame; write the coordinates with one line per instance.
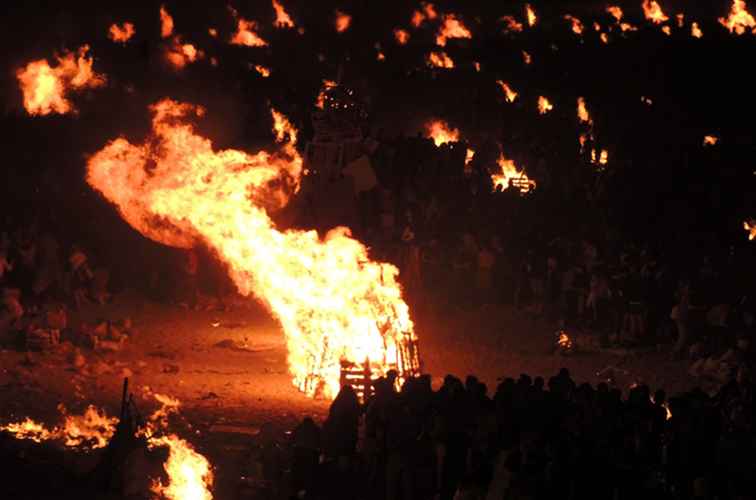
(441, 132)
(333, 302)
(739, 20)
(680, 20)
(342, 22)
(695, 31)
(544, 106)
(604, 38)
(509, 172)
(710, 140)
(122, 33)
(526, 57)
(246, 33)
(190, 476)
(44, 88)
(327, 85)
(401, 36)
(166, 23)
(282, 17)
(615, 11)
(181, 54)
(29, 429)
(531, 15)
(440, 60)
(583, 115)
(667, 30)
(213, 32)
(427, 11)
(469, 155)
(91, 430)
(262, 70)
(451, 27)
(476, 65)
(509, 94)
(380, 56)
(653, 12)
(750, 226)
(511, 25)
(577, 25)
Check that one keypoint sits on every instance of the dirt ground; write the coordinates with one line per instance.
(229, 391)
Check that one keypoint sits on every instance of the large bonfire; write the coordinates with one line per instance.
(333, 302)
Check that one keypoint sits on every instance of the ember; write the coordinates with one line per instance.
(527, 59)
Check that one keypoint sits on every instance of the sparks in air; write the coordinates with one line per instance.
(739, 20)
(509, 94)
(283, 20)
(45, 88)
(577, 25)
(509, 174)
(530, 15)
(401, 36)
(121, 33)
(653, 12)
(166, 23)
(440, 60)
(342, 21)
(451, 27)
(544, 106)
(334, 303)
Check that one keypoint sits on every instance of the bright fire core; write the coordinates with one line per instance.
(333, 302)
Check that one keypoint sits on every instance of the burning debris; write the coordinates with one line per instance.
(544, 106)
(451, 27)
(246, 32)
(695, 31)
(441, 132)
(121, 34)
(740, 20)
(401, 36)
(426, 12)
(526, 57)
(509, 94)
(166, 23)
(283, 20)
(564, 344)
(342, 21)
(440, 60)
(582, 112)
(653, 12)
(509, 175)
(262, 70)
(577, 25)
(511, 25)
(710, 140)
(323, 95)
(179, 54)
(45, 88)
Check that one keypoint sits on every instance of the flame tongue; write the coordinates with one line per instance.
(333, 302)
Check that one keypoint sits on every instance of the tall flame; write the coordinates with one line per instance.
(283, 20)
(582, 111)
(451, 27)
(739, 20)
(531, 15)
(441, 132)
(440, 60)
(122, 33)
(544, 106)
(166, 23)
(189, 473)
(342, 21)
(577, 25)
(333, 302)
(509, 94)
(401, 36)
(750, 226)
(509, 172)
(653, 12)
(45, 88)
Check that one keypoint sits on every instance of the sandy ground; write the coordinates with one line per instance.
(227, 394)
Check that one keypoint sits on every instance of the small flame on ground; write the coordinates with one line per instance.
(342, 21)
(531, 15)
(601, 159)
(44, 88)
(283, 20)
(29, 429)
(213, 32)
(190, 476)
(401, 36)
(122, 33)
(509, 172)
(246, 32)
(653, 12)
(577, 25)
(166, 23)
(441, 132)
(509, 94)
(451, 27)
(440, 60)
(695, 31)
(262, 70)
(615, 11)
(544, 106)
(91, 430)
(476, 65)
(740, 20)
(710, 140)
(511, 25)
(667, 30)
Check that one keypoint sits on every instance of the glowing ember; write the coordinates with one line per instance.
(653, 12)
(583, 115)
(750, 226)
(739, 20)
(710, 140)
(190, 476)
(122, 33)
(213, 32)
(440, 60)
(180, 54)
(509, 94)
(511, 25)
(282, 17)
(531, 15)
(93, 427)
(166, 23)
(29, 429)
(441, 132)
(264, 72)
(380, 56)
(401, 36)
(246, 33)
(44, 88)
(327, 85)
(427, 11)
(596, 27)
(342, 22)
(544, 106)
(333, 302)
(451, 27)
(695, 31)
(577, 25)
(526, 57)
(510, 173)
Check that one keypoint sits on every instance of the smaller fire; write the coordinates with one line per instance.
(582, 111)
(122, 33)
(680, 20)
(695, 31)
(213, 32)
(401, 36)
(283, 20)
(91, 430)
(476, 65)
(511, 25)
(596, 27)
(190, 476)
(427, 12)
(615, 11)
(380, 56)
(750, 226)
(451, 27)
(526, 57)
(646, 100)
(710, 140)
(469, 155)
(441, 132)
(577, 25)
(604, 38)
(653, 12)
(179, 55)
(510, 173)
(440, 60)
(166, 23)
(544, 106)
(509, 94)
(740, 20)
(262, 70)
(246, 32)
(668, 416)
(531, 15)
(29, 429)
(600, 159)
(667, 30)
(342, 21)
